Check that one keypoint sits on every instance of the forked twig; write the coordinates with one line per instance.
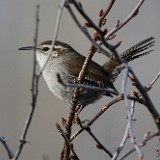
(67, 140)
(98, 115)
(142, 144)
(129, 17)
(86, 33)
(81, 76)
(130, 113)
(149, 104)
(126, 136)
(99, 144)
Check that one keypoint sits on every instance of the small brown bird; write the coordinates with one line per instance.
(68, 62)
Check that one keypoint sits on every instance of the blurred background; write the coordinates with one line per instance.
(17, 29)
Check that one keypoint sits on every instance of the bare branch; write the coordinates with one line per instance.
(104, 14)
(100, 37)
(86, 33)
(129, 113)
(142, 144)
(67, 140)
(34, 91)
(92, 50)
(6, 146)
(129, 17)
(154, 80)
(149, 104)
(75, 96)
(106, 107)
(126, 135)
(85, 16)
(99, 144)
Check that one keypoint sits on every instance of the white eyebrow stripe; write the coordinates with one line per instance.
(60, 47)
(57, 46)
(46, 46)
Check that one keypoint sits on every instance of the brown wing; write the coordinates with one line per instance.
(94, 73)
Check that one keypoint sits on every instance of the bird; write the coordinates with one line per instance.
(67, 62)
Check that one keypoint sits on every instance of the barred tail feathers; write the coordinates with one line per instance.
(138, 50)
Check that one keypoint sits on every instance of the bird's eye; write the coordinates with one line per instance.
(45, 49)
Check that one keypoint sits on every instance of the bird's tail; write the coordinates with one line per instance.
(138, 50)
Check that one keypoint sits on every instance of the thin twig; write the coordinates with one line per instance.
(154, 80)
(129, 113)
(66, 149)
(129, 17)
(81, 76)
(106, 13)
(86, 17)
(106, 107)
(125, 137)
(75, 97)
(112, 49)
(34, 91)
(98, 30)
(120, 147)
(106, 44)
(6, 146)
(86, 33)
(99, 144)
(67, 140)
(149, 104)
(142, 144)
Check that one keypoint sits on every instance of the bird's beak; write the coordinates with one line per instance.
(27, 48)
